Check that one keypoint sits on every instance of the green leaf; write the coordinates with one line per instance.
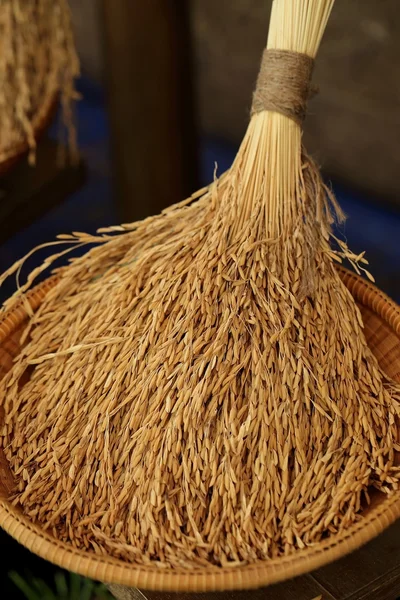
(61, 586)
(45, 592)
(74, 586)
(101, 592)
(86, 590)
(22, 585)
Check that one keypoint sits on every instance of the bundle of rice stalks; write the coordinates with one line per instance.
(38, 61)
(200, 391)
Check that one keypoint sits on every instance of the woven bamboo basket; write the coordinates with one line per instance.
(382, 329)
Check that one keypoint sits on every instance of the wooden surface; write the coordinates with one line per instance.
(150, 102)
(27, 192)
(371, 573)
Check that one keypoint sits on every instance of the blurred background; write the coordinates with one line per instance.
(165, 94)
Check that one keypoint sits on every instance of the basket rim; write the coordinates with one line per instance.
(256, 575)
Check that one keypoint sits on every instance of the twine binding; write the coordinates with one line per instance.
(283, 84)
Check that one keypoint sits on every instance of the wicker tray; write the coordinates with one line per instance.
(382, 329)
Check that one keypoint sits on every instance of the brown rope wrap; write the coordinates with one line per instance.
(283, 84)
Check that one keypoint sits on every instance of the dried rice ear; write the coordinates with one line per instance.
(38, 63)
(203, 394)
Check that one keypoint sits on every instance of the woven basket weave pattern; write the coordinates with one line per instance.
(382, 329)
